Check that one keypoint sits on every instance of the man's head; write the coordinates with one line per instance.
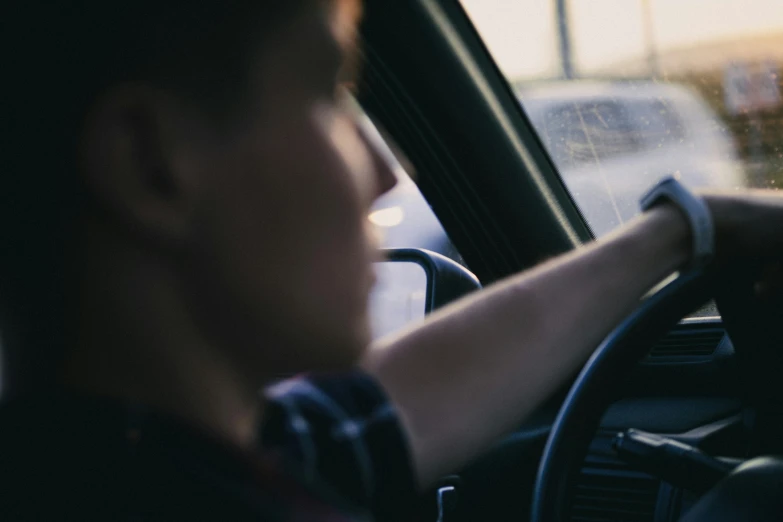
(209, 139)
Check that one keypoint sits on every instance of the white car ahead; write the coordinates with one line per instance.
(611, 141)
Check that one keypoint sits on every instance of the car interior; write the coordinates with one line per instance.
(669, 404)
(676, 399)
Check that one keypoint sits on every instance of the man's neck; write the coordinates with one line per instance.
(137, 343)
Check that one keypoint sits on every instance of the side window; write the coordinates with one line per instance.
(402, 218)
(398, 299)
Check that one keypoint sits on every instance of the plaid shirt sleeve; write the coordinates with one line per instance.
(343, 432)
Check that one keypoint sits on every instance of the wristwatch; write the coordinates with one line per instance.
(695, 210)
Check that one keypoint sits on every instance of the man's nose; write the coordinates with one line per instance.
(384, 171)
(383, 159)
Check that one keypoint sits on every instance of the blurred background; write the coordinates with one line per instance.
(624, 92)
(646, 87)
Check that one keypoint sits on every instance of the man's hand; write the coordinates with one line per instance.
(748, 225)
(474, 370)
(749, 231)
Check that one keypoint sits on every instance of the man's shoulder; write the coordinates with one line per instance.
(88, 459)
(339, 397)
(342, 430)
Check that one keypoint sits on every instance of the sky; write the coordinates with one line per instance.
(522, 36)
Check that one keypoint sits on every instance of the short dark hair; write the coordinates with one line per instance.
(62, 55)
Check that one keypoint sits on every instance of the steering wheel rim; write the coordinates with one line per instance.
(589, 396)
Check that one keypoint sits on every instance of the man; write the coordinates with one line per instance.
(184, 221)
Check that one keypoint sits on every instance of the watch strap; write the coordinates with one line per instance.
(695, 210)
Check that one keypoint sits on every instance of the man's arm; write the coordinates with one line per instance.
(474, 370)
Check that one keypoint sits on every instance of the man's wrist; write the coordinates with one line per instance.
(670, 234)
(696, 212)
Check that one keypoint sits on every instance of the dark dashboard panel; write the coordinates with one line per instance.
(609, 489)
(688, 389)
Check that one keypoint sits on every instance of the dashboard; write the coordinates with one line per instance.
(684, 389)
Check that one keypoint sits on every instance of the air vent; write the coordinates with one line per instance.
(610, 495)
(696, 342)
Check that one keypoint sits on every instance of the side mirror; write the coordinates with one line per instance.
(413, 282)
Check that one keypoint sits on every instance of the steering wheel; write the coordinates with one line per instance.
(752, 490)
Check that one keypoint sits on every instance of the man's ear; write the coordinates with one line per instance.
(137, 156)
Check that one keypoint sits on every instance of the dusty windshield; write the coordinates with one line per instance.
(624, 92)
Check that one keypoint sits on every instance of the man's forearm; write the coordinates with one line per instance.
(478, 367)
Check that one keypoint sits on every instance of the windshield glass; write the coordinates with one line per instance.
(624, 92)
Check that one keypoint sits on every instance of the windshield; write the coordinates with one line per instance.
(624, 92)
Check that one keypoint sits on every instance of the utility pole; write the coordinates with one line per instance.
(649, 39)
(564, 39)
